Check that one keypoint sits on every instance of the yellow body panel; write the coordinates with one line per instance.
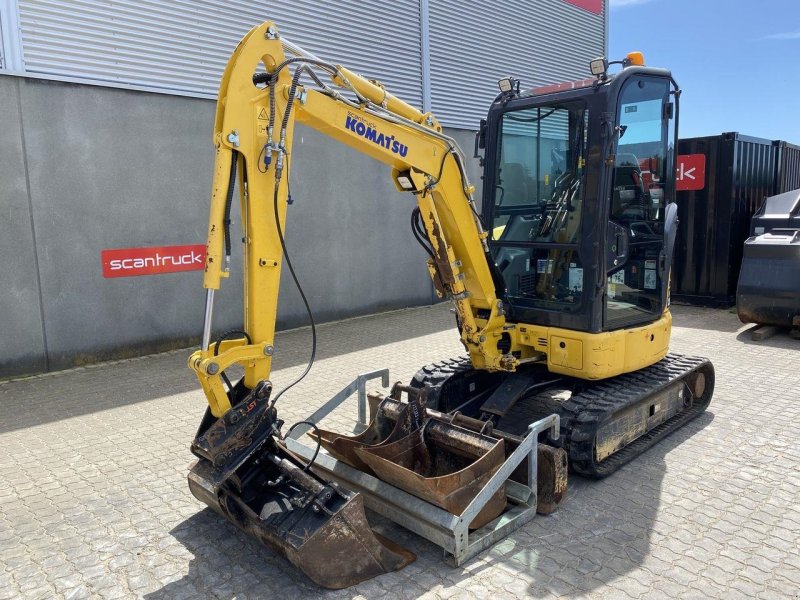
(596, 355)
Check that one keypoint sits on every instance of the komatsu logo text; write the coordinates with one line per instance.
(371, 133)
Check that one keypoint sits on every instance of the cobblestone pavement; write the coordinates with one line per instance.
(94, 502)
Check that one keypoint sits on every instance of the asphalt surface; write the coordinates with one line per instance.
(94, 501)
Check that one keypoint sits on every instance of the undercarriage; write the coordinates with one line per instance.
(604, 424)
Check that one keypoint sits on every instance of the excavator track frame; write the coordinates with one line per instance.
(590, 408)
(587, 411)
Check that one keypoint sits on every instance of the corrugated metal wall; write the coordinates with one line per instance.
(376, 38)
(178, 45)
(181, 46)
(547, 41)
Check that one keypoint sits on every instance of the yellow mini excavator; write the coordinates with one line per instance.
(560, 293)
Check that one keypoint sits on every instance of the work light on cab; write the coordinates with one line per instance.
(508, 85)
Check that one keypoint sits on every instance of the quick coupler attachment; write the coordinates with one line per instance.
(246, 474)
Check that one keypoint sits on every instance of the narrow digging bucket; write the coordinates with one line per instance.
(328, 538)
(381, 430)
(444, 464)
(247, 475)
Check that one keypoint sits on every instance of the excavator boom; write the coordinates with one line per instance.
(253, 137)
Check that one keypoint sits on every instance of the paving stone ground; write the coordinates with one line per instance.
(94, 502)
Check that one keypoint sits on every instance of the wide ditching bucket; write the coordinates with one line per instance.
(769, 281)
(439, 462)
(383, 429)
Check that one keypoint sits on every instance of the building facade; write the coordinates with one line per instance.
(108, 111)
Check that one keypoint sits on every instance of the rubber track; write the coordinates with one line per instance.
(584, 413)
(436, 374)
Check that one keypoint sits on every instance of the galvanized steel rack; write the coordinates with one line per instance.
(449, 531)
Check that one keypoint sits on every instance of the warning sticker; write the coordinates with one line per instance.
(262, 129)
(576, 279)
(649, 279)
(649, 264)
(618, 277)
(262, 114)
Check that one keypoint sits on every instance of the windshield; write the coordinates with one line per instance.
(538, 195)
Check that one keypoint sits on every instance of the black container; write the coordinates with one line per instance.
(715, 221)
(787, 172)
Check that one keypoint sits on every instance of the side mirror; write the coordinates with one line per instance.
(480, 137)
(617, 246)
(480, 140)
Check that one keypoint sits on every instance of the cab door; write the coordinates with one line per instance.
(641, 221)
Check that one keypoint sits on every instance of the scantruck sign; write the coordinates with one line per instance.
(155, 260)
(690, 172)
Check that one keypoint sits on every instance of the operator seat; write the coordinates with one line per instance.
(627, 202)
(515, 184)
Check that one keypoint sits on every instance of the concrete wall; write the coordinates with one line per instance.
(86, 168)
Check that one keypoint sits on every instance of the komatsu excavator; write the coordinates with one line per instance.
(560, 293)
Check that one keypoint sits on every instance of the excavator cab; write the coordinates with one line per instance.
(572, 168)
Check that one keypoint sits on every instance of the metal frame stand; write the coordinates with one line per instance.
(449, 531)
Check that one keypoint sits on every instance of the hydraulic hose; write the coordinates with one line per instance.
(228, 201)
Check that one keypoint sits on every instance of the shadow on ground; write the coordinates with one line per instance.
(781, 339)
(602, 532)
(76, 392)
(699, 317)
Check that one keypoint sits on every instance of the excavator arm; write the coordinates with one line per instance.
(253, 137)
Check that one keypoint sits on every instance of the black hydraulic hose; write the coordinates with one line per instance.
(278, 174)
(313, 76)
(290, 101)
(302, 296)
(225, 336)
(228, 201)
(310, 463)
(271, 103)
(265, 77)
(416, 226)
